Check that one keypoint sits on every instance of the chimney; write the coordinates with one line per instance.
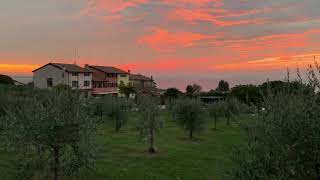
(151, 78)
(86, 66)
(129, 71)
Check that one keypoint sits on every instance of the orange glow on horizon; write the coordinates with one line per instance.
(17, 69)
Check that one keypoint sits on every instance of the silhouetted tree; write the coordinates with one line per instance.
(223, 86)
(193, 90)
(172, 93)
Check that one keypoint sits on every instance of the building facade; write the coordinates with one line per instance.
(106, 80)
(53, 74)
(96, 80)
(143, 84)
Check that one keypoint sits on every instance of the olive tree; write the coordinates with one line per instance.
(216, 111)
(117, 110)
(231, 108)
(49, 133)
(190, 115)
(150, 122)
(284, 141)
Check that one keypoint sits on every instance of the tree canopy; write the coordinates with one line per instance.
(223, 86)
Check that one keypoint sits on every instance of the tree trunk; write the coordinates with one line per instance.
(56, 163)
(151, 148)
(191, 134)
(228, 120)
(215, 122)
(118, 125)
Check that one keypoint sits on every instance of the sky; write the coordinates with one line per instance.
(178, 42)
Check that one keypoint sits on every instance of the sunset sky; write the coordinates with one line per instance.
(179, 42)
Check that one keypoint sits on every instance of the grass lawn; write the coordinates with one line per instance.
(120, 156)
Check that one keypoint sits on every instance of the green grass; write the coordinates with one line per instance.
(120, 156)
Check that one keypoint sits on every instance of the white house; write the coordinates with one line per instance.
(54, 74)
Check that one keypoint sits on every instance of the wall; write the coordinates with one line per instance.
(40, 76)
(81, 78)
(124, 79)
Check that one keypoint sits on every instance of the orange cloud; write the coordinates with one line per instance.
(163, 40)
(273, 63)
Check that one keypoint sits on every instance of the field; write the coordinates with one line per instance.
(120, 156)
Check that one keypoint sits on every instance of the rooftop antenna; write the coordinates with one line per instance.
(76, 55)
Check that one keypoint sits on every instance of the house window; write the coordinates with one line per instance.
(86, 83)
(75, 84)
(86, 74)
(74, 74)
(123, 75)
(49, 82)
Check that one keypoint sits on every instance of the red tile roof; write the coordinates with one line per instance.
(108, 69)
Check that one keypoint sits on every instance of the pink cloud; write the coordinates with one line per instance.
(277, 43)
(196, 3)
(113, 6)
(216, 16)
(163, 40)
